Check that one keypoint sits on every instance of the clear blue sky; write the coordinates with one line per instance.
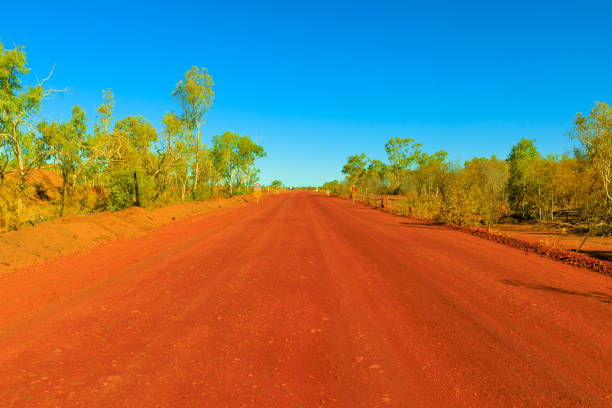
(315, 82)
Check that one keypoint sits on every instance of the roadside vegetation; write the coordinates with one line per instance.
(568, 191)
(49, 169)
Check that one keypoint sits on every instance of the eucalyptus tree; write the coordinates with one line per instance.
(234, 157)
(247, 152)
(172, 150)
(224, 149)
(403, 153)
(522, 178)
(355, 167)
(99, 149)
(65, 144)
(195, 95)
(19, 105)
(133, 137)
(5, 158)
(430, 172)
(594, 132)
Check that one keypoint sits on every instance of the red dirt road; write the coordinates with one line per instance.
(305, 300)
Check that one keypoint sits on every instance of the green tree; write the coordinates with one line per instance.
(5, 158)
(430, 172)
(355, 167)
(131, 141)
(521, 181)
(65, 144)
(247, 152)
(374, 179)
(195, 95)
(224, 149)
(403, 153)
(175, 152)
(19, 105)
(276, 184)
(99, 148)
(210, 175)
(234, 156)
(594, 132)
(489, 176)
(332, 186)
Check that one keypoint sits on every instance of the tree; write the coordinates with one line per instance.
(132, 138)
(210, 175)
(521, 176)
(430, 171)
(65, 143)
(247, 152)
(98, 153)
(374, 180)
(490, 176)
(224, 148)
(402, 153)
(594, 132)
(5, 158)
(18, 107)
(195, 95)
(175, 150)
(276, 184)
(234, 156)
(331, 186)
(355, 167)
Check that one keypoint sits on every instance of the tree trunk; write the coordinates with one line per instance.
(63, 196)
(231, 184)
(584, 240)
(196, 175)
(136, 191)
(19, 156)
(184, 183)
(74, 183)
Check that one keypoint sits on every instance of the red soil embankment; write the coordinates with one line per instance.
(52, 239)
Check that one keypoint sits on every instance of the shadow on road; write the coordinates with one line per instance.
(602, 297)
(603, 255)
(420, 225)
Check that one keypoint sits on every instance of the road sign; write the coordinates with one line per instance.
(257, 186)
(257, 195)
(353, 188)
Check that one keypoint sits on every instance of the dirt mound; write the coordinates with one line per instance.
(47, 183)
(49, 178)
(52, 239)
(568, 257)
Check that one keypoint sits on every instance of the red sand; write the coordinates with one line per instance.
(305, 300)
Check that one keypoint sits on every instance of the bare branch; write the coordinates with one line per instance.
(48, 92)
(48, 76)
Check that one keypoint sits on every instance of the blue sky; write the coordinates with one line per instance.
(315, 82)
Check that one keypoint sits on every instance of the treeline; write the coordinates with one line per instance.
(525, 186)
(119, 163)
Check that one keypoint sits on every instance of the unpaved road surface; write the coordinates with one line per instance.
(305, 300)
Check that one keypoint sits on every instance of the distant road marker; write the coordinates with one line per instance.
(353, 191)
(257, 192)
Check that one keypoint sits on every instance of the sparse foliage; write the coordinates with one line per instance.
(123, 162)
